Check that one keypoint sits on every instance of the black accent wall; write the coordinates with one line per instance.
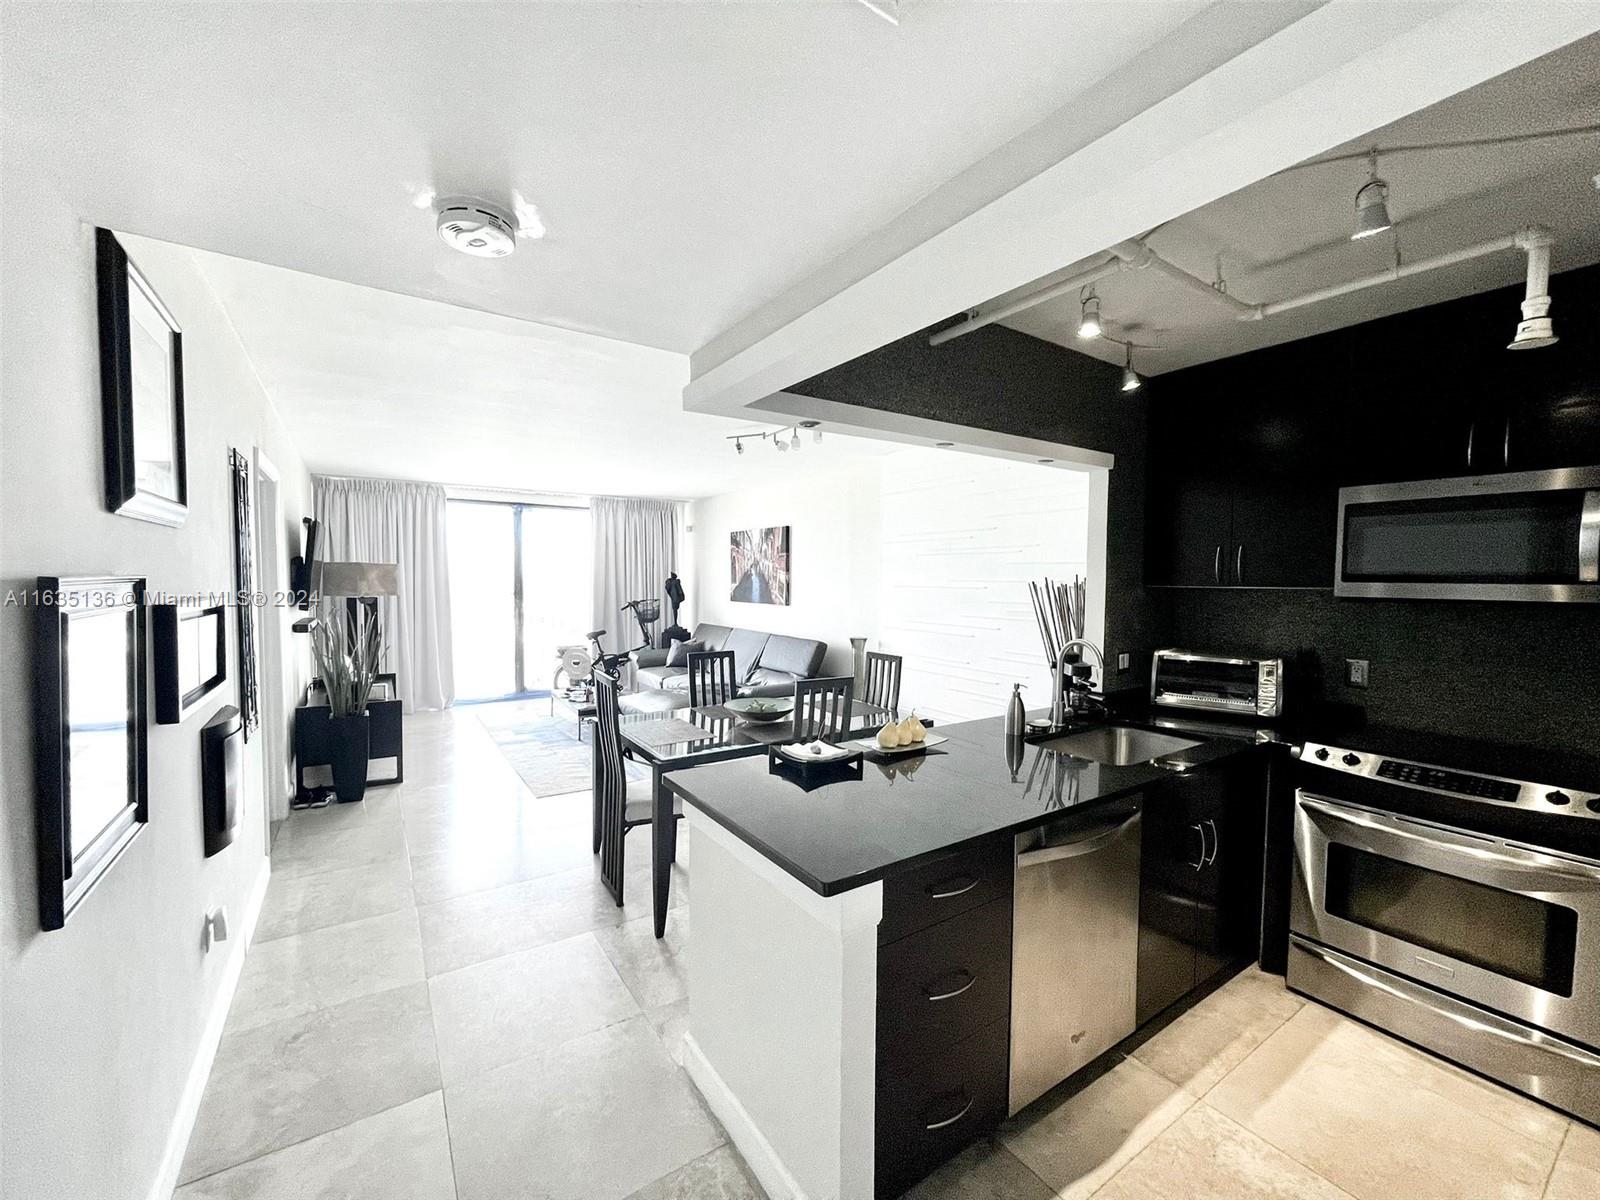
(999, 379)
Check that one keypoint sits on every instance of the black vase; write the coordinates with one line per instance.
(349, 740)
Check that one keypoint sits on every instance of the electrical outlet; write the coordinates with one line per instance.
(1124, 661)
(1355, 672)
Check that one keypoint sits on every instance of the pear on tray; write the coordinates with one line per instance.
(898, 734)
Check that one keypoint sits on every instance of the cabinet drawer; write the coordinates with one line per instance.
(934, 1111)
(944, 887)
(942, 984)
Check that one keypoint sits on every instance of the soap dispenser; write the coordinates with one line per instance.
(1016, 714)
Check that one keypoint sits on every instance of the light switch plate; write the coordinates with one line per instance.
(1355, 672)
(1123, 661)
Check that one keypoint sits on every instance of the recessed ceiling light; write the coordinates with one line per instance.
(1044, 462)
(944, 445)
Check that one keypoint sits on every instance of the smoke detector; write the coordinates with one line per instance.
(477, 227)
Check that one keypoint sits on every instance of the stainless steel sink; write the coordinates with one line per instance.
(1117, 745)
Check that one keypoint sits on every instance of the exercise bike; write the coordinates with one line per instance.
(579, 664)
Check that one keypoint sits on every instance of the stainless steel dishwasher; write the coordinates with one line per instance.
(1074, 945)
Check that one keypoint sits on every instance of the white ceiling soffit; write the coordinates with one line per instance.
(1334, 74)
(1289, 234)
(690, 161)
(373, 383)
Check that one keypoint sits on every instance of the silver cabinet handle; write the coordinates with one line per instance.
(1472, 432)
(1589, 539)
(1216, 565)
(949, 1121)
(1215, 841)
(951, 995)
(1098, 840)
(950, 892)
(1238, 564)
(1505, 448)
(1201, 830)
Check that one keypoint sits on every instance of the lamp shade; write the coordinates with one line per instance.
(359, 579)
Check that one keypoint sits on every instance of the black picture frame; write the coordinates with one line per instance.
(141, 348)
(86, 818)
(174, 630)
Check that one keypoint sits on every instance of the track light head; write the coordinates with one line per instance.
(781, 444)
(1089, 320)
(794, 440)
(1130, 378)
(1372, 209)
(815, 427)
(738, 446)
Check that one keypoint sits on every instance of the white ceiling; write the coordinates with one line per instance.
(689, 160)
(375, 383)
(1289, 234)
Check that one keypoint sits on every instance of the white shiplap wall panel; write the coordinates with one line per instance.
(962, 536)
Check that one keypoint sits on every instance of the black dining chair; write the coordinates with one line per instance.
(620, 803)
(711, 678)
(822, 708)
(881, 682)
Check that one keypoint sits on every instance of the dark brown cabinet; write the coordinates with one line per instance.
(1200, 876)
(944, 1009)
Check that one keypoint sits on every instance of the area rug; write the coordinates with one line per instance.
(542, 748)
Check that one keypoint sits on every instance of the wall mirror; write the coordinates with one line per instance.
(89, 755)
(191, 657)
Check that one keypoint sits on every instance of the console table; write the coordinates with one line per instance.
(312, 745)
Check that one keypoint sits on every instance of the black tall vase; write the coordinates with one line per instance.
(350, 740)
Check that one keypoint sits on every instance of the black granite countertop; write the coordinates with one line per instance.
(842, 835)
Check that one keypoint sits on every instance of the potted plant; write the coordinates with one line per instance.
(349, 653)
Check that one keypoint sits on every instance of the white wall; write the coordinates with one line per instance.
(833, 522)
(102, 1020)
(925, 553)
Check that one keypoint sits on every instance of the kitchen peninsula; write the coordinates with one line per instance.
(869, 953)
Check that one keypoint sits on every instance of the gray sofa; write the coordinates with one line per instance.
(764, 664)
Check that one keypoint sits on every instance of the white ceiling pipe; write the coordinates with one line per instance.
(1388, 275)
(1138, 256)
(1535, 328)
(1072, 283)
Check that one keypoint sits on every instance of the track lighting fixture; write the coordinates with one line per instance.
(1372, 205)
(783, 440)
(1535, 329)
(1130, 378)
(1089, 319)
(794, 440)
(738, 446)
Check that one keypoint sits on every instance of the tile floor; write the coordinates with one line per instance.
(442, 1001)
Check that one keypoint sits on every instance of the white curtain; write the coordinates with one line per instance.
(635, 549)
(382, 520)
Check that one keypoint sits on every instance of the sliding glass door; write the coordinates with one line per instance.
(520, 586)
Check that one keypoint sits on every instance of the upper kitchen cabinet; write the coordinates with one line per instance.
(1241, 488)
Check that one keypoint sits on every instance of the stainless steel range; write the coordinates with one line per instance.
(1458, 910)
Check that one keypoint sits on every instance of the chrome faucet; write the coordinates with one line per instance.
(1058, 702)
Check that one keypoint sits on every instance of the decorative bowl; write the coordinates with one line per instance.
(761, 710)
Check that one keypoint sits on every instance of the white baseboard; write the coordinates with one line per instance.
(200, 1069)
(758, 1153)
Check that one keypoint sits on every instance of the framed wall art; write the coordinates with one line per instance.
(91, 789)
(244, 584)
(758, 561)
(191, 657)
(141, 392)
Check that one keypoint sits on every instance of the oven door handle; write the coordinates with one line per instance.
(1523, 861)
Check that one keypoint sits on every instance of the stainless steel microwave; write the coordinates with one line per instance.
(1532, 535)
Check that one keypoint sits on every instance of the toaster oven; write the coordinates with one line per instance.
(1246, 687)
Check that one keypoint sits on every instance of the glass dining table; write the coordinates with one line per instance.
(692, 737)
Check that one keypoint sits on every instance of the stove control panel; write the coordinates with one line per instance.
(1466, 785)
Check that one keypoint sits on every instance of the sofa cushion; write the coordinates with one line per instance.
(763, 682)
(678, 656)
(656, 678)
(746, 645)
(653, 702)
(797, 656)
(712, 635)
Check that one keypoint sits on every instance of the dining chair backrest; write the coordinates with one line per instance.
(610, 782)
(881, 684)
(711, 677)
(822, 708)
